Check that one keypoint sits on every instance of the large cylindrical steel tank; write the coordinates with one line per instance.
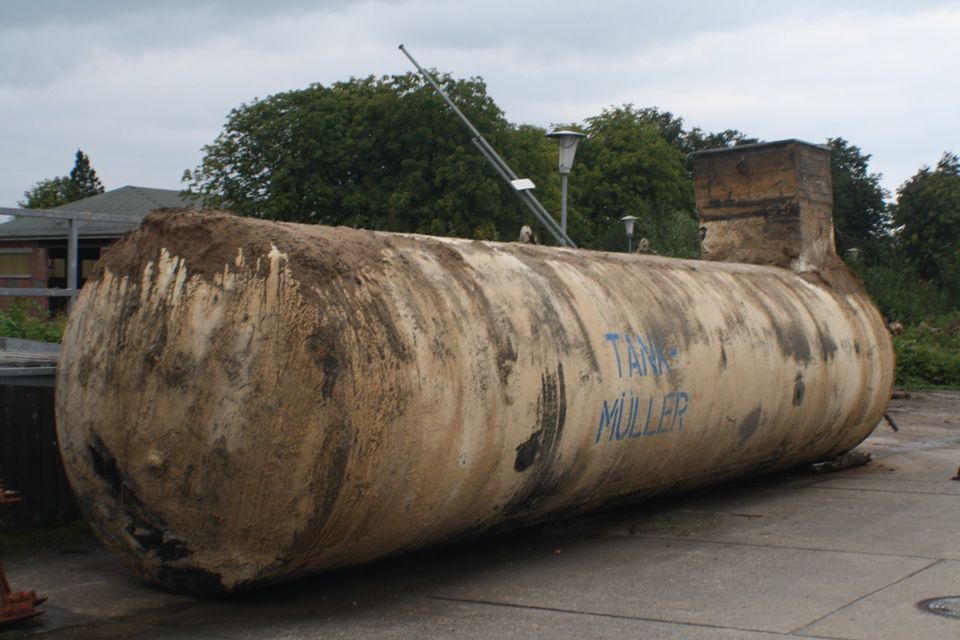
(242, 401)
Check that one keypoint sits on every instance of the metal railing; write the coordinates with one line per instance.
(73, 240)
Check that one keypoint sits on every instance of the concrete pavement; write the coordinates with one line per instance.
(839, 555)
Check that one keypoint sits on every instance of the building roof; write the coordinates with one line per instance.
(760, 145)
(27, 362)
(132, 202)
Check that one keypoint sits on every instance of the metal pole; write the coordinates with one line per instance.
(559, 234)
(72, 254)
(526, 197)
(893, 425)
(563, 202)
(443, 95)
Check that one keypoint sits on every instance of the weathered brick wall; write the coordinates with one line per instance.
(766, 204)
(38, 274)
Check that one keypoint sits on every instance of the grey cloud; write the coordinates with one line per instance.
(141, 87)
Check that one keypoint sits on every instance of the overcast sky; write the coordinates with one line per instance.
(142, 86)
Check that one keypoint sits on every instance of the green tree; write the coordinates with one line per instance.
(627, 167)
(378, 153)
(672, 129)
(81, 183)
(861, 219)
(47, 194)
(699, 140)
(928, 214)
(83, 179)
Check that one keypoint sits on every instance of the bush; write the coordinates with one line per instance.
(903, 296)
(898, 290)
(28, 320)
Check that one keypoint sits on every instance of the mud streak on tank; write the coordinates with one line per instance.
(499, 327)
(324, 350)
(748, 426)
(799, 388)
(329, 480)
(538, 454)
(828, 347)
(561, 289)
(153, 354)
(506, 358)
(180, 372)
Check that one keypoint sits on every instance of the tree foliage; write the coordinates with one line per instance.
(81, 183)
(47, 194)
(83, 178)
(386, 153)
(628, 167)
(860, 216)
(687, 141)
(378, 153)
(928, 212)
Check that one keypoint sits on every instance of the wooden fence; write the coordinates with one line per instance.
(30, 461)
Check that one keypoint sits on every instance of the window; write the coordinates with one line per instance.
(86, 268)
(15, 263)
(57, 268)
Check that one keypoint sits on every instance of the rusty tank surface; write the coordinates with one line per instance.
(241, 402)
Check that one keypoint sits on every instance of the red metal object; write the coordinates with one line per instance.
(16, 606)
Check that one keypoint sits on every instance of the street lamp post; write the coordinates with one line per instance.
(568, 148)
(628, 226)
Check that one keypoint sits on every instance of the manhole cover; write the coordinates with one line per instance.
(948, 606)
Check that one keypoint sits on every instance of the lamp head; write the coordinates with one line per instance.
(568, 147)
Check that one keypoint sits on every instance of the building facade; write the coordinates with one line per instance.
(33, 251)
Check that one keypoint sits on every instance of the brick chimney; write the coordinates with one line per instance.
(768, 203)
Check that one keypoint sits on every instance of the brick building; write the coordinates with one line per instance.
(33, 251)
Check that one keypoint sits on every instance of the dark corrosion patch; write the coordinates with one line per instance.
(527, 452)
(104, 465)
(148, 529)
(156, 540)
